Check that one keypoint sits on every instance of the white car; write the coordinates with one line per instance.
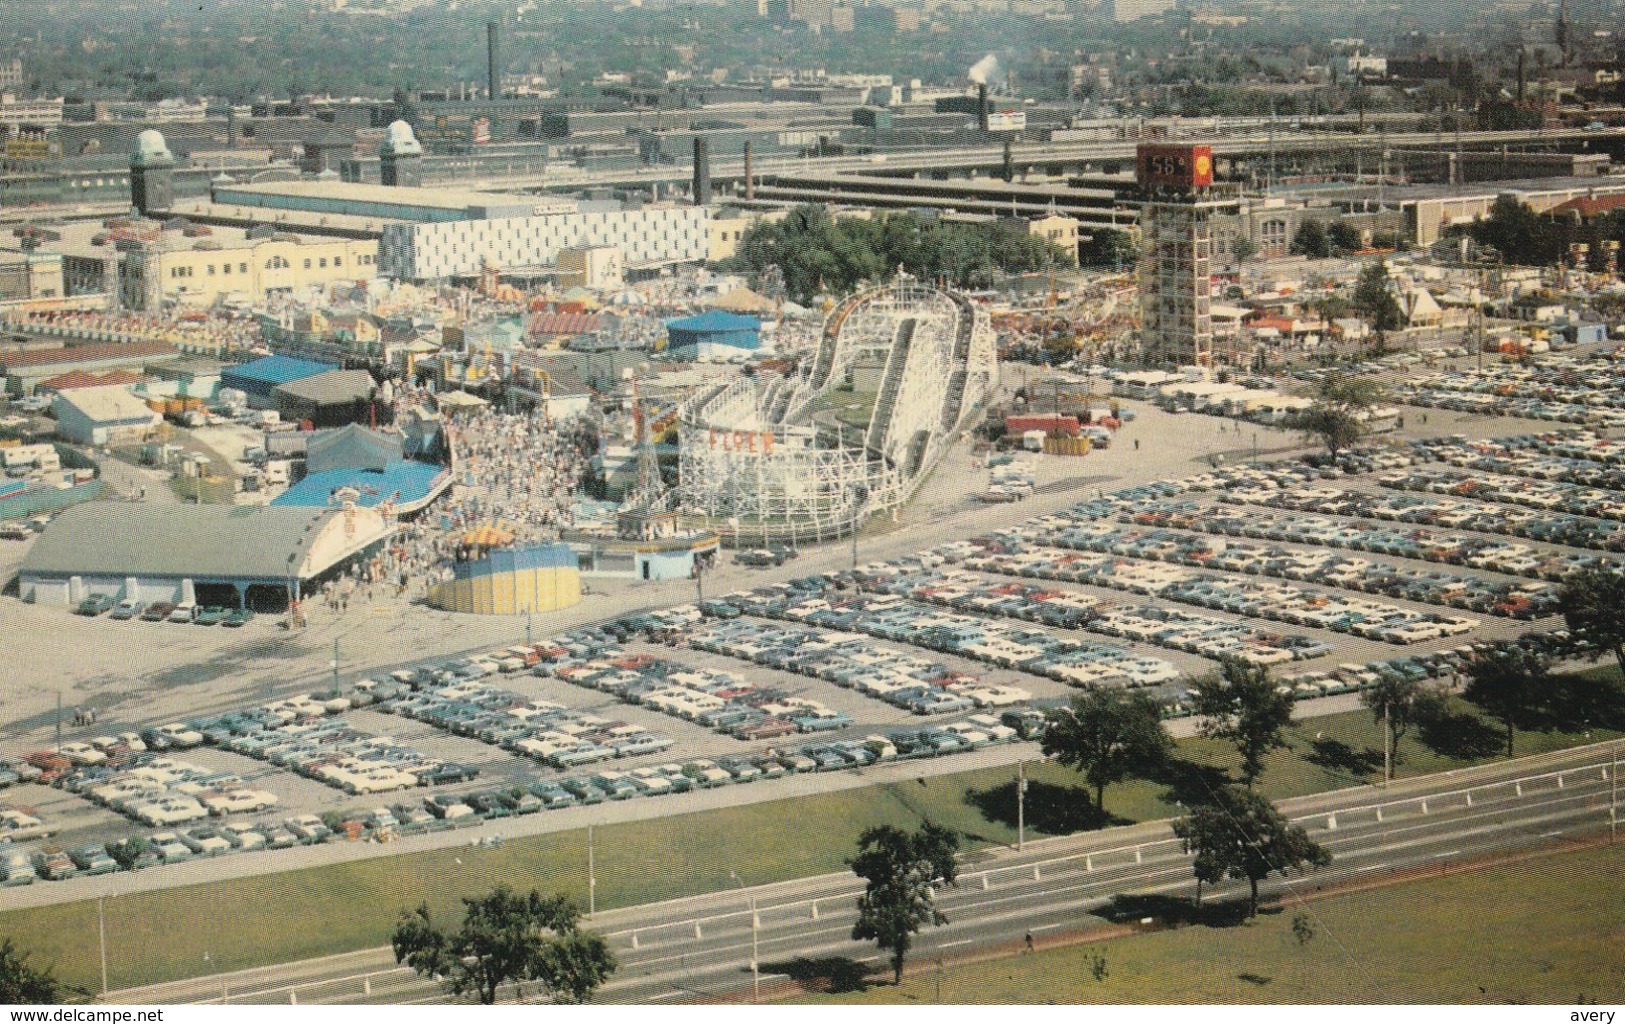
(82, 753)
(180, 735)
(186, 611)
(243, 835)
(239, 801)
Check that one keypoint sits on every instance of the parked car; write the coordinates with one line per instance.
(157, 611)
(210, 616)
(128, 608)
(95, 604)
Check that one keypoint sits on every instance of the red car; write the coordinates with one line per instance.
(157, 611)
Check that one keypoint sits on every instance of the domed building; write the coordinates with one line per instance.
(152, 173)
(400, 156)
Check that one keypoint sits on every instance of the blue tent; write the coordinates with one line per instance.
(714, 328)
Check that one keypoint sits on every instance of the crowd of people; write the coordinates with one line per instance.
(517, 471)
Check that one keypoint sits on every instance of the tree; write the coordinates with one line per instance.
(1376, 303)
(1109, 247)
(1342, 405)
(126, 851)
(1241, 704)
(1242, 249)
(1504, 681)
(1311, 240)
(1592, 603)
(20, 983)
(1107, 735)
(1343, 236)
(1394, 702)
(506, 937)
(902, 870)
(1241, 835)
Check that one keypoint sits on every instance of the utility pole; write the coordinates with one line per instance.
(335, 663)
(592, 877)
(1613, 797)
(59, 721)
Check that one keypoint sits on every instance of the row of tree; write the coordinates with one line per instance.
(1526, 238)
(808, 252)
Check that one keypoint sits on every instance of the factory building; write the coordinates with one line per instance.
(103, 416)
(649, 237)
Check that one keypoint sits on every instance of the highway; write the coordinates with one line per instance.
(704, 946)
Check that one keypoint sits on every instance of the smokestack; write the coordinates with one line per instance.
(1520, 74)
(1009, 162)
(750, 178)
(493, 67)
(702, 172)
(981, 105)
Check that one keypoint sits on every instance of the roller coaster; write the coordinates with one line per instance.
(899, 372)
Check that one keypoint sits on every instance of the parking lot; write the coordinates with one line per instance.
(1124, 569)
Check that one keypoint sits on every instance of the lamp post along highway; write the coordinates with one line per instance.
(1021, 806)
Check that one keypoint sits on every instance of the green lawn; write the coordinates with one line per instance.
(1547, 930)
(274, 918)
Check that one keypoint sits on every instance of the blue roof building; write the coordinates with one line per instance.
(713, 335)
(262, 376)
(411, 485)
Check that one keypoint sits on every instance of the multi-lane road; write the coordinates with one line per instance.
(705, 946)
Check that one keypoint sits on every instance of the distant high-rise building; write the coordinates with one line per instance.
(11, 74)
(1134, 10)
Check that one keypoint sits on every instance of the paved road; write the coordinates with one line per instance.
(704, 946)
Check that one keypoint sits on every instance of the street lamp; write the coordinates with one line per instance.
(755, 924)
(860, 494)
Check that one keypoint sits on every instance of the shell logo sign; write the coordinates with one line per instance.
(1182, 167)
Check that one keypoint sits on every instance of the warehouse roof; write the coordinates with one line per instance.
(276, 370)
(111, 404)
(332, 388)
(116, 538)
(68, 356)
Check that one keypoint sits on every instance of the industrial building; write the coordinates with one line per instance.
(260, 379)
(23, 370)
(108, 415)
(649, 237)
(227, 555)
(330, 399)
